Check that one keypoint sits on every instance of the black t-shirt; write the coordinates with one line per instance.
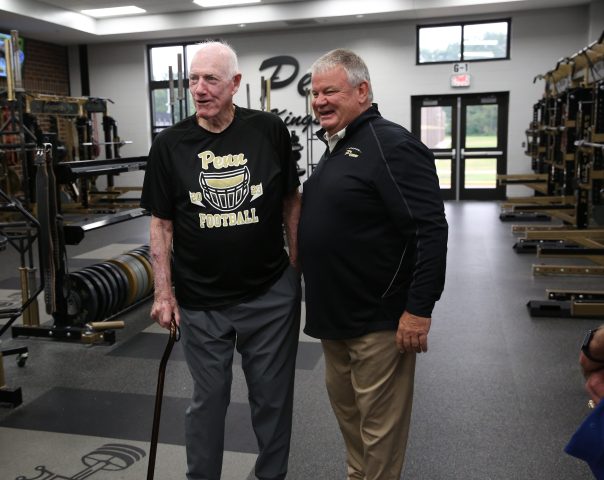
(224, 194)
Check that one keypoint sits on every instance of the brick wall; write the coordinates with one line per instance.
(45, 68)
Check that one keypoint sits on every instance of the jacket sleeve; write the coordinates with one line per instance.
(410, 189)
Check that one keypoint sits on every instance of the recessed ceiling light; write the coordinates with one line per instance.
(242, 25)
(113, 12)
(360, 15)
(223, 3)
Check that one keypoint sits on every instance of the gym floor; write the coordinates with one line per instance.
(497, 396)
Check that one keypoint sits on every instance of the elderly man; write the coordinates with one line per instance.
(220, 185)
(373, 242)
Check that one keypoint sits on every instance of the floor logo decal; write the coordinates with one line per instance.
(112, 457)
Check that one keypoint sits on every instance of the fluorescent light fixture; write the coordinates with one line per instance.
(113, 12)
(223, 3)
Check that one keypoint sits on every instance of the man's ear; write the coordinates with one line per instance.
(363, 89)
(236, 83)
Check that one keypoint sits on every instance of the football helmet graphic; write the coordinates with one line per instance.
(225, 191)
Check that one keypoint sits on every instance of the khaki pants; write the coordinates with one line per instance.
(370, 387)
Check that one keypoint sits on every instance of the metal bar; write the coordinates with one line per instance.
(530, 228)
(544, 199)
(8, 56)
(480, 153)
(18, 82)
(586, 309)
(568, 234)
(2, 378)
(74, 231)
(121, 142)
(268, 94)
(572, 251)
(583, 143)
(553, 294)
(458, 152)
(539, 207)
(570, 270)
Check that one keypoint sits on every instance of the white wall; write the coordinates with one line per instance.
(119, 72)
(596, 20)
(539, 39)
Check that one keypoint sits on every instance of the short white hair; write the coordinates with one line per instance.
(354, 66)
(230, 54)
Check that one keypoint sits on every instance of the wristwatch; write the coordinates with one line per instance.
(585, 347)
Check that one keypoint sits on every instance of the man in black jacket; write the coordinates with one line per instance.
(372, 247)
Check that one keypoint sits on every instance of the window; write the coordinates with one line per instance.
(169, 103)
(463, 42)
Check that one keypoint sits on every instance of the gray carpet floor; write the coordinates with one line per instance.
(497, 396)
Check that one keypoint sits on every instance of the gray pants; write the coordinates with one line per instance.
(265, 332)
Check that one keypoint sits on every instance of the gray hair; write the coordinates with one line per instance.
(229, 52)
(353, 65)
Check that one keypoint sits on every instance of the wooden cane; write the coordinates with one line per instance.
(174, 337)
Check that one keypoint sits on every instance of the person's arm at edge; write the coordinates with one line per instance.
(596, 350)
(291, 217)
(164, 302)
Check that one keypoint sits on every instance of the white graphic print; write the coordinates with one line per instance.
(225, 191)
(225, 188)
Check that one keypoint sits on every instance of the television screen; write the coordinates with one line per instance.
(3, 36)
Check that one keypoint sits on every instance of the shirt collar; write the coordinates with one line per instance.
(333, 139)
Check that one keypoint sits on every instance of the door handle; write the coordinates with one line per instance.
(449, 154)
(478, 153)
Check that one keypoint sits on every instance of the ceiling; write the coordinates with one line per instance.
(60, 21)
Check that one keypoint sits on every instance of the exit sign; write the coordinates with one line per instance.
(460, 80)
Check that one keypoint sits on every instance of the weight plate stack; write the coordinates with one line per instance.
(82, 298)
(110, 287)
(101, 292)
(138, 274)
(147, 270)
(120, 283)
(132, 279)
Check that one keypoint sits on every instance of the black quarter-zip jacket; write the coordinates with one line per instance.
(372, 234)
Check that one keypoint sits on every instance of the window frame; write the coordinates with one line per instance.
(461, 41)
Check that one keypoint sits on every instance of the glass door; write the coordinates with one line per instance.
(468, 136)
(434, 120)
(483, 133)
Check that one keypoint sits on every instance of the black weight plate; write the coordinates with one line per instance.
(87, 297)
(101, 289)
(112, 288)
(110, 284)
(123, 284)
(120, 282)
